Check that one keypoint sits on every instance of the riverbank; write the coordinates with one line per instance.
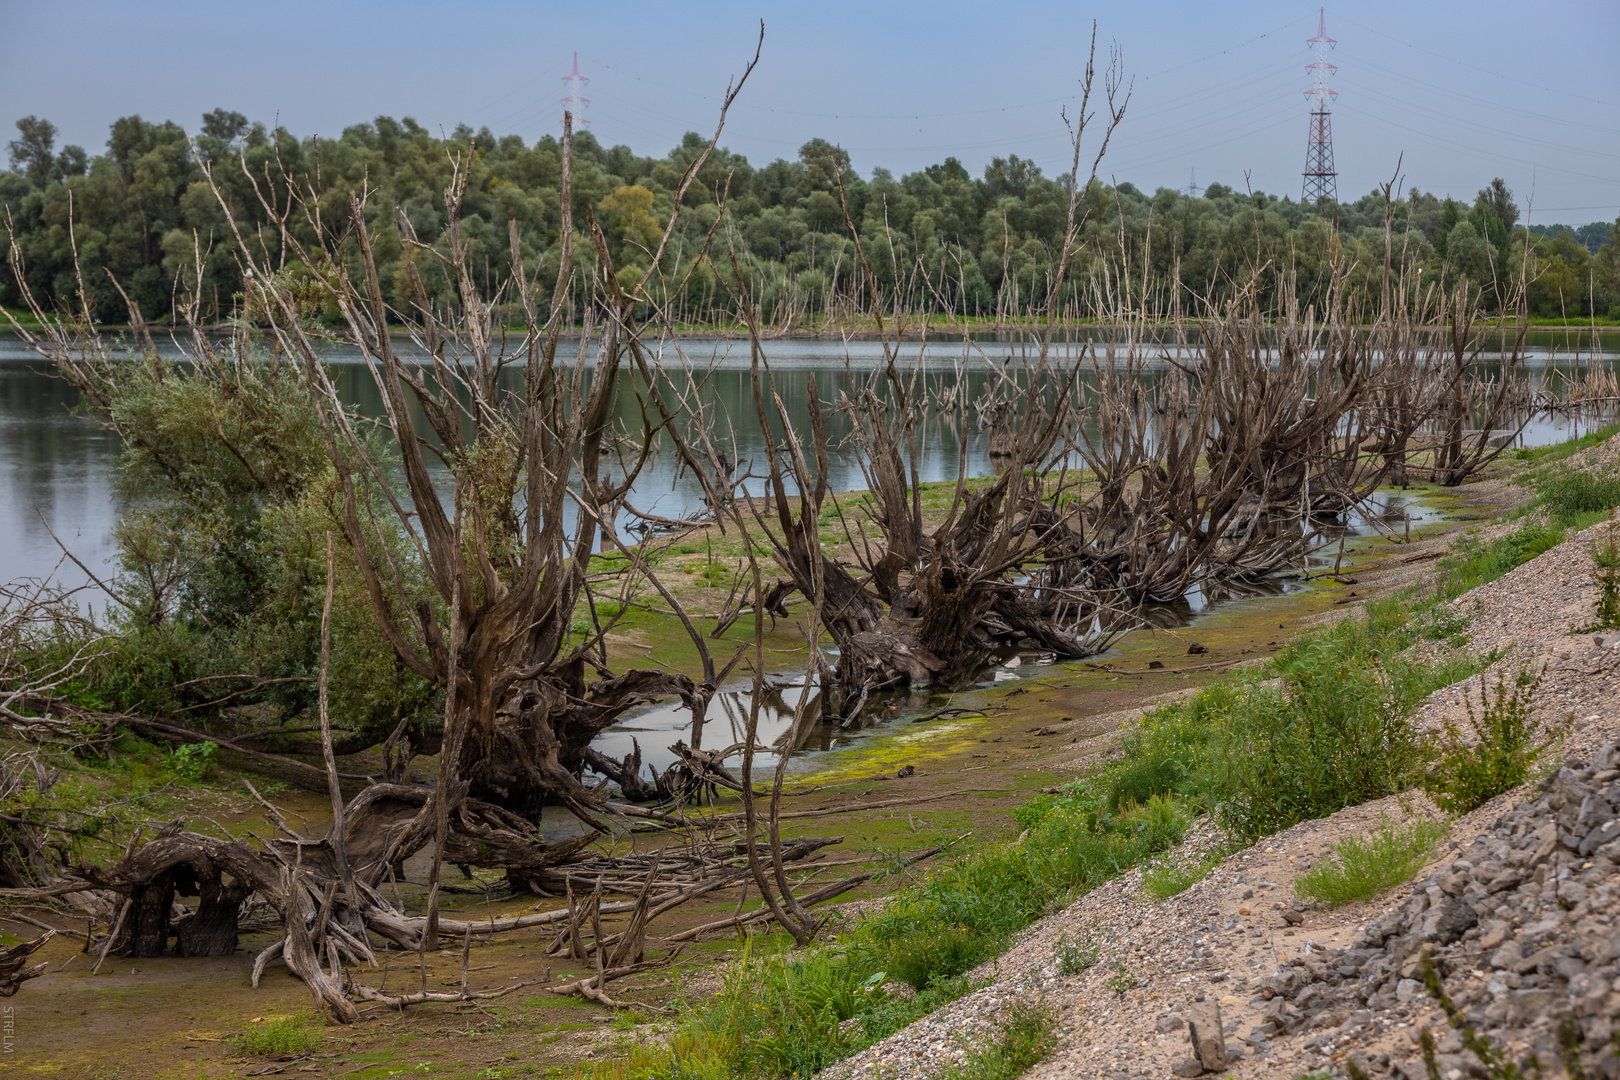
(1240, 938)
(963, 780)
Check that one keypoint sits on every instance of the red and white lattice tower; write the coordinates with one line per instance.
(576, 101)
(1321, 181)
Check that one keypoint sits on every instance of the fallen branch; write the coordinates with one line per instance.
(12, 957)
(399, 1001)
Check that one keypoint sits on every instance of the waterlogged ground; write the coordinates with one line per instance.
(1032, 729)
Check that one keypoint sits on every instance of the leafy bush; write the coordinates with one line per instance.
(964, 913)
(273, 1036)
(1570, 493)
(1332, 731)
(1504, 748)
(1473, 564)
(1336, 733)
(1367, 866)
(190, 762)
(1073, 957)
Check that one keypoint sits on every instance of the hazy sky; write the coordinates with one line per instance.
(1467, 91)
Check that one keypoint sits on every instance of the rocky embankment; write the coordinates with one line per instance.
(1518, 912)
(1520, 927)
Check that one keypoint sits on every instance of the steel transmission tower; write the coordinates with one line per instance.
(576, 101)
(1321, 181)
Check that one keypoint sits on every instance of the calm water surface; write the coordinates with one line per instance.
(58, 467)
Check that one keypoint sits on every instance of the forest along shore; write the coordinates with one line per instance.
(1513, 897)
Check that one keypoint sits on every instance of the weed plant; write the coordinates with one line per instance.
(1606, 560)
(303, 1033)
(1571, 495)
(1026, 1037)
(1473, 564)
(1505, 747)
(1166, 879)
(1073, 957)
(1121, 978)
(1368, 865)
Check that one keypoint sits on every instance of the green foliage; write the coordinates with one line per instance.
(228, 498)
(190, 762)
(1505, 745)
(961, 915)
(1073, 957)
(1121, 978)
(1332, 730)
(1606, 560)
(1473, 564)
(273, 1036)
(1569, 447)
(1027, 1036)
(1570, 494)
(1166, 879)
(979, 240)
(1367, 866)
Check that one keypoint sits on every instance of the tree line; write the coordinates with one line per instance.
(144, 220)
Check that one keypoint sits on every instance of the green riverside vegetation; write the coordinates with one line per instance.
(1368, 865)
(1325, 724)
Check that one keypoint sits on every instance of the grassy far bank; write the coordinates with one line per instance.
(1325, 724)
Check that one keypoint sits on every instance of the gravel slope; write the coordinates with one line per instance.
(1222, 938)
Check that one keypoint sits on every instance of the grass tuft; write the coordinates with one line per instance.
(1166, 879)
(1027, 1036)
(272, 1036)
(1367, 866)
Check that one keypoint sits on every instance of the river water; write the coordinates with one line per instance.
(58, 470)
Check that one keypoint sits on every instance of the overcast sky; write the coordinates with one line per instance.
(1468, 91)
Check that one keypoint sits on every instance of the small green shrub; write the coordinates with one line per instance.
(190, 762)
(1367, 866)
(1569, 493)
(273, 1036)
(1122, 978)
(1473, 564)
(1073, 957)
(1027, 1032)
(1606, 557)
(1504, 749)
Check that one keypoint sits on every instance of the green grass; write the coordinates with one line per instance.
(1027, 1036)
(1559, 451)
(1333, 730)
(1166, 879)
(792, 1013)
(1606, 560)
(1578, 498)
(1472, 564)
(1366, 866)
(303, 1033)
